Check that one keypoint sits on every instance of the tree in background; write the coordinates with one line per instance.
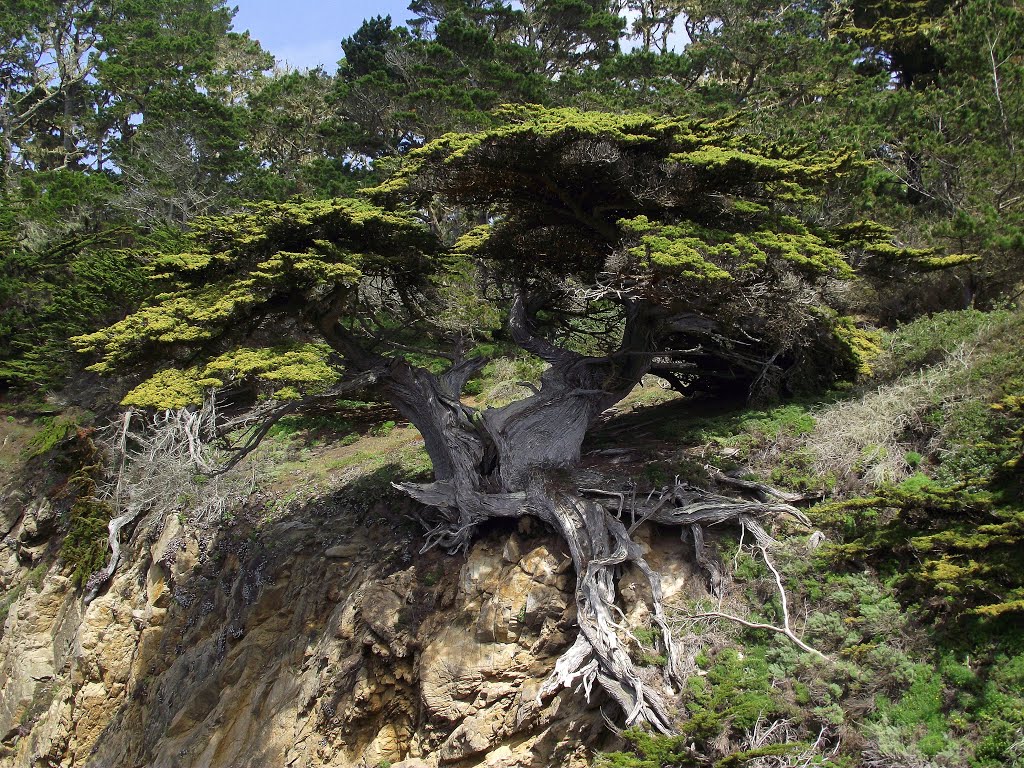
(571, 35)
(396, 88)
(117, 121)
(654, 22)
(899, 37)
(64, 269)
(962, 136)
(47, 57)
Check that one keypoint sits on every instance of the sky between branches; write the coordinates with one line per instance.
(307, 33)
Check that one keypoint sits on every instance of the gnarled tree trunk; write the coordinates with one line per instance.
(500, 462)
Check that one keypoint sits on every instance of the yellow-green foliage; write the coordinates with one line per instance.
(932, 262)
(533, 122)
(169, 389)
(711, 147)
(879, 242)
(471, 242)
(273, 259)
(176, 318)
(755, 166)
(685, 249)
(293, 371)
(689, 250)
(864, 345)
(303, 365)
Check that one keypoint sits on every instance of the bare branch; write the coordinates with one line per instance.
(786, 629)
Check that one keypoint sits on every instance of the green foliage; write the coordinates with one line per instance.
(946, 544)
(950, 548)
(744, 431)
(53, 430)
(58, 278)
(286, 373)
(920, 712)
(459, 63)
(501, 380)
(384, 429)
(85, 547)
(463, 308)
(736, 691)
(650, 751)
(999, 710)
(272, 260)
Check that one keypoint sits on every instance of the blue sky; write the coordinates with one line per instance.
(305, 33)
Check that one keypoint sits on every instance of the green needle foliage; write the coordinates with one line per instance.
(683, 215)
(243, 277)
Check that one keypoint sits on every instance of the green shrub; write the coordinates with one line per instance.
(85, 546)
(927, 340)
(736, 691)
(650, 751)
(920, 713)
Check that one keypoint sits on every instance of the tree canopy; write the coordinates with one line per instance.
(681, 221)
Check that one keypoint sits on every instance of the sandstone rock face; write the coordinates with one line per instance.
(315, 640)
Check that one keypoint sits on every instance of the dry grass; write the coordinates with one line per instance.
(870, 440)
(871, 436)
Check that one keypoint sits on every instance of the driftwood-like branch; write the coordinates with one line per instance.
(462, 509)
(786, 629)
(762, 491)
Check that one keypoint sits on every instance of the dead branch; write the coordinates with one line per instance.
(786, 629)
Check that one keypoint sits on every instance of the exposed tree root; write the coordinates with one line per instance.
(593, 524)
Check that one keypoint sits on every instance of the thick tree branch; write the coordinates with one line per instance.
(519, 322)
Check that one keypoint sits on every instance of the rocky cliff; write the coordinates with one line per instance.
(321, 639)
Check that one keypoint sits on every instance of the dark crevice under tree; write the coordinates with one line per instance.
(694, 236)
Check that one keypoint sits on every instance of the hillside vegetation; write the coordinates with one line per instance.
(759, 294)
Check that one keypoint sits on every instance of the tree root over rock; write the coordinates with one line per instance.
(593, 523)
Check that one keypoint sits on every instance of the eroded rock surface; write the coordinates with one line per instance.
(315, 640)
